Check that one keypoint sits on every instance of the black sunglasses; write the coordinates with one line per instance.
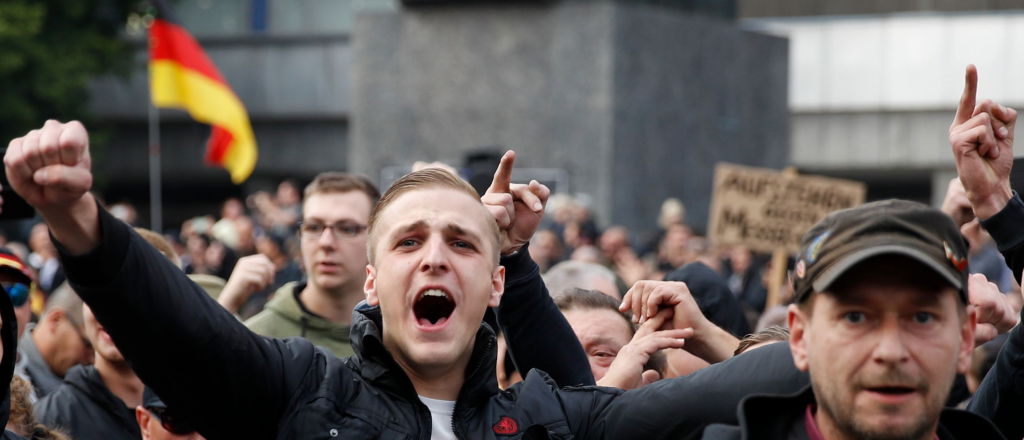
(171, 423)
(19, 293)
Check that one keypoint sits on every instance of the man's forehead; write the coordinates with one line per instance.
(599, 322)
(893, 296)
(416, 209)
(332, 205)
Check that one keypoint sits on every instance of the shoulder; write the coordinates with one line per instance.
(53, 409)
(722, 432)
(965, 424)
(268, 322)
(8, 435)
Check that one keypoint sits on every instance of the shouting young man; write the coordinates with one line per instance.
(424, 363)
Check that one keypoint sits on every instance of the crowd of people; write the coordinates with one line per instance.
(431, 311)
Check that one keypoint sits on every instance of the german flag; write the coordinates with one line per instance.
(181, 76)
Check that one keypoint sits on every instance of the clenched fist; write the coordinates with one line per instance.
(50, 167)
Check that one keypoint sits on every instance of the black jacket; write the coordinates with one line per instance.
(1000, 397)
(713, 296)
(84, 408)
(235, 384)
(9, 341)
(782, 418)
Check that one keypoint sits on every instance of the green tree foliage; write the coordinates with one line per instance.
(49, 50)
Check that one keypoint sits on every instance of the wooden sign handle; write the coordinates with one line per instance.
(780, 258)
(776, 277)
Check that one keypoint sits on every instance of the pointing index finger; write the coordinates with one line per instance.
(503, 176)
(968, 98)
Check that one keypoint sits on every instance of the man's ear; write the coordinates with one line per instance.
(497, 286)
(142, 416)
(798, 323)
(53, 318)
(370, 287)
(967, 329)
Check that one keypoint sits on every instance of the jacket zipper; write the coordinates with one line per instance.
(458, 398)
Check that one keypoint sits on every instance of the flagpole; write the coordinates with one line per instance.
(155, 202)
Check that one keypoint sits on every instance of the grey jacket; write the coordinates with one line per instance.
(33, 368)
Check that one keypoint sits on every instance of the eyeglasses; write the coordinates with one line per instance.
(341, 230)
(18, 293)
(170, 422)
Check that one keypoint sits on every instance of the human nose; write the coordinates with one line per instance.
(328, 238)
(435, 257)
(891, 348)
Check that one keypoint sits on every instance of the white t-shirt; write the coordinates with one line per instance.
(440, 418)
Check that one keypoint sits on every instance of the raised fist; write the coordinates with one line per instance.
(50, 167)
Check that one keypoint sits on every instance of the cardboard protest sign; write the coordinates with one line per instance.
(768, 210)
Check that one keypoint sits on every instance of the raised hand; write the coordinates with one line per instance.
(251, 274)
(995, 315)
(51, 169)
(957, 205)
(627, 370)
(982, 139)
(646, 299)
(517, 208)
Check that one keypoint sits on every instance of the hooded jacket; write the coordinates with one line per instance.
(85, 408)
(235, 384)
(36, 370)
(782, 418)
(9, 341)
(285, 317)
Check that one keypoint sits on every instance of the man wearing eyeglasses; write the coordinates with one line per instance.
(332, 233)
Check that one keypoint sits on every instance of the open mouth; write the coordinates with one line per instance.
(893, 390)
(433, 307)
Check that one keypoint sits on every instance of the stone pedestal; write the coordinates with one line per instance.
(636, 102)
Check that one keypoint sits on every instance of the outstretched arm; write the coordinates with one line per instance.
(191, 351)
(537, 333)
(682, 407)
(646, 299)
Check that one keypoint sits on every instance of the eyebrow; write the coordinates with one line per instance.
(925, 300)
(605, 340)
(450, 227)
(459, 230)
(419, 224)
(315, 219)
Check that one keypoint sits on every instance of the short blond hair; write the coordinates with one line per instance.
(420, 180)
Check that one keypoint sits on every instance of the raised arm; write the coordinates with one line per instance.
(538, 335)
(649, 298)
(182, 344)
(982, 140)
(981, 137)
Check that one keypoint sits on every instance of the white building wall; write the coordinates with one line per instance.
(873, 96)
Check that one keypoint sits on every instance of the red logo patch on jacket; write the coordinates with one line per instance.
(506, 426)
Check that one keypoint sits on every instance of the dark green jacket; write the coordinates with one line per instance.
(284, 317)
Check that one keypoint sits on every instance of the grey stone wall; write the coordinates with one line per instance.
(636, 102)
(799, 8)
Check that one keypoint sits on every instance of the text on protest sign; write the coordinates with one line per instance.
(767, 210)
